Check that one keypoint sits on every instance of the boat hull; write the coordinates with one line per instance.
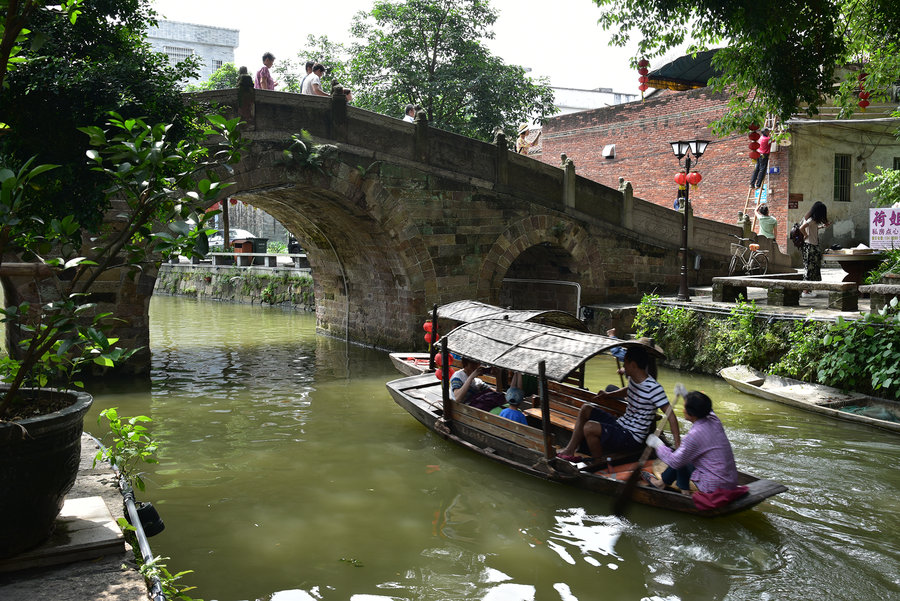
(410, 364)
(817, 398)
(419, 395)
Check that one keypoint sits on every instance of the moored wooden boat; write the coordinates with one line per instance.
(551, 354)
(847, 406)
(465, 311)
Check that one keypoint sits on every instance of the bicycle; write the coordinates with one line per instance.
(748, 259)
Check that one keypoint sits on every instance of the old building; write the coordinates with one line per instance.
(817, 159)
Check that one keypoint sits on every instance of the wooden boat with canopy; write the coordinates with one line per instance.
(466, 311)
(556, 357)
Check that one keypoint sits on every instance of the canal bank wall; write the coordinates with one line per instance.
(286, 286)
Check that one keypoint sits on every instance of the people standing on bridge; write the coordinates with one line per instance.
(312, 83)
(409, 114)
(522, 144)
(815, 219)
(762, 163)
(309, 68)
(264, 79)
(768, 225)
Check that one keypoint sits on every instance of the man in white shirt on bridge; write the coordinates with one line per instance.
(312, 84)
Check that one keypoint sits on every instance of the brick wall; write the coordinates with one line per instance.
(642, 131)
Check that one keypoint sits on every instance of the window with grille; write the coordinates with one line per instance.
(216, 64)
(896, 163)
(842, 178)
(177, 54)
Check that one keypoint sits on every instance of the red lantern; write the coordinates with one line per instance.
(426, 326)
(438, 359)
(754, 155)
(753, 127)
(864, 95)
(863, 104)
(643, 87)
(694, 178)
(680, 179)
(643, 63)
(429, 338)
(439, 374)
(753, 145)
(643, 79)
(643, 71)
(233, 201)
(754, 136)
(862, 76)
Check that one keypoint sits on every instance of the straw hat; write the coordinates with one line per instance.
(523, 128)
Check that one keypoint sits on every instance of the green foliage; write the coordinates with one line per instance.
(79, 73)
(673, 328)
(131, 446)
(276, 247)
(429, 53)
(223, 78)
(171, 588)
(305, 154)
(783, 56)
(890, 264)
(864, 355)
(884, 186)
(804, 351)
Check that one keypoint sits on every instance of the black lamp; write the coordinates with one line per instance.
(680, 149)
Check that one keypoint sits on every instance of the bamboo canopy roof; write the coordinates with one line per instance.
(520, 346)
(468, 310)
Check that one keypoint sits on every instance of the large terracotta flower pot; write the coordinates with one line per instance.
(37, 469)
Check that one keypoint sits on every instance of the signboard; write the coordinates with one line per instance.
(794, 201)
(884, 228)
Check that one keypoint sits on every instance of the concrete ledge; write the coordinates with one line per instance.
(880, 294)
(785, 292)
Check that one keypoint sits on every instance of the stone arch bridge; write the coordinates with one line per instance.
(405, 215)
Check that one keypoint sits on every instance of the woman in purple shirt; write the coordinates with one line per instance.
(704, 456)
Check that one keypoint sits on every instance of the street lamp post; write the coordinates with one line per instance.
(680, 149)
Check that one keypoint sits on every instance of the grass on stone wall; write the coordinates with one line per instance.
(861, 355)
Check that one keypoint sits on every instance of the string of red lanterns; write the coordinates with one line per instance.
(753, 145)
(863, 94)
(643, 70)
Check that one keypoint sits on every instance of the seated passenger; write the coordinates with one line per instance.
(704, 456)
(514, 397)
(603, 432)
(468, 388)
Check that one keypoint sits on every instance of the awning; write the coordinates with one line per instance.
(468, 310)
(520, 346)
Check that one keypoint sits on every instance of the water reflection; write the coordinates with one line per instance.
(287, 473)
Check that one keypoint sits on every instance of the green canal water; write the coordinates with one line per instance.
(287, 473)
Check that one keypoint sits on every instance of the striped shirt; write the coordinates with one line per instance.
(644, 398)
(706, 447)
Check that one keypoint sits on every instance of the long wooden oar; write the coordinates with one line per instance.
(619, 371)
(621, 502)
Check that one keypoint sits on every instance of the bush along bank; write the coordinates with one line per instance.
(861, 355)
(238, 285)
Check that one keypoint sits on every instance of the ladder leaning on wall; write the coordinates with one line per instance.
(764, 189)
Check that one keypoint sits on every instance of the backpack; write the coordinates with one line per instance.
(796, 235)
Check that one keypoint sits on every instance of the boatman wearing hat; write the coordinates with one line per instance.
(603, 432)
(522, 145)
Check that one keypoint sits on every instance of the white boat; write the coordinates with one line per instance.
(848, 406)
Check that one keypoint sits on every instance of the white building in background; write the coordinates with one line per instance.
(575, 100)
(214, 46)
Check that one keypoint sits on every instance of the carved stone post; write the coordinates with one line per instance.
(569, 183)
(339, 114)
(247, 100)
(422, 136)
(502, 159)
(627, 217)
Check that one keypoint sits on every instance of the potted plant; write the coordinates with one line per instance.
(158, 185)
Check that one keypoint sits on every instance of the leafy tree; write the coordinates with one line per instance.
(79, 72)
(885, 186)
(781, 57)
(333, 55)
(223, 78)
(431, 53)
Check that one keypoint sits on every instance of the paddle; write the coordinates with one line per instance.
(619, 371)
(621, 502)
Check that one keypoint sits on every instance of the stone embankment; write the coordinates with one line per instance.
(285, 286)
